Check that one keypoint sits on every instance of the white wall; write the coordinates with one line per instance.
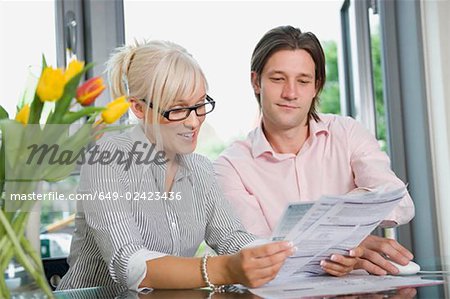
(27, 30)
(436, 27)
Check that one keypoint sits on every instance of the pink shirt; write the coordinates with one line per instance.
(338, 156)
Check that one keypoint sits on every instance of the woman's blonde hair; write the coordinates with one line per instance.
(158, 71)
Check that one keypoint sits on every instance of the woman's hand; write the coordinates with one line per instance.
(339, 265)
(255, 266)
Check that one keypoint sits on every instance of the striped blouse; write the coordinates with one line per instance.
(129, 219)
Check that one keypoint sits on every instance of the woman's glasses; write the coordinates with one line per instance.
(177, 114)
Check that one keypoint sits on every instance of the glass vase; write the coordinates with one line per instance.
(20, 261)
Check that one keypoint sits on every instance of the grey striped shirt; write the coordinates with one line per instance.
(109, 232)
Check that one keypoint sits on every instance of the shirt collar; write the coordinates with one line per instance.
(185, 167)
(261, 145)
(319, 127)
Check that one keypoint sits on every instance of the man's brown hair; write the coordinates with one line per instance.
(290, 38)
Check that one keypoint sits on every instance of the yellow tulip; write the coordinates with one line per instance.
(23, 115)
(73, 69)
(51, 84)
(115, 109)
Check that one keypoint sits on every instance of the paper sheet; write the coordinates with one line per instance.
(293, 213)
(332, 286)
(334, 224)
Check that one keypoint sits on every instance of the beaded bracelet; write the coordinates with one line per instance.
(209, 284)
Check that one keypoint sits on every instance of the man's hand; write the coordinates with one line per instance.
(375, 249)
(339, 265)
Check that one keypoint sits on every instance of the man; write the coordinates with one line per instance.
(297, 154)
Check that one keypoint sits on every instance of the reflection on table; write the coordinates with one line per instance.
(427, 292)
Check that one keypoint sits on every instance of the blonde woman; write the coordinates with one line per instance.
(159, 200)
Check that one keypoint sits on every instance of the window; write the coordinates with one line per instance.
(401, 83)
(221, 36)
(364, 77)
(377, 77)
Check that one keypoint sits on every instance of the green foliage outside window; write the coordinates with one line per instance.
(330, 97)
(378, 89)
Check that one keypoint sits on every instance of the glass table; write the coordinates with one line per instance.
(426, 292)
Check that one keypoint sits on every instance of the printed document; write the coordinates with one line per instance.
(333, 286)
(333, 224)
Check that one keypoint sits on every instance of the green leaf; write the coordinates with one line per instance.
(71, 145)
(81, 138)
(44, 62)
(3, 113)
(2, 164)
(35, 110)
(113, 128)
(60, 173)
(71, 117)
(37, 104)
(12, 133)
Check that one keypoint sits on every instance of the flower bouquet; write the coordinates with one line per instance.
(42, 143)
